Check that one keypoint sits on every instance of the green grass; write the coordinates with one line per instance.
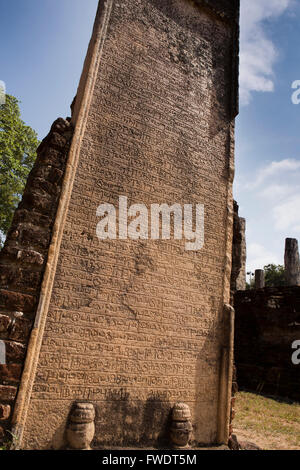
(269, 423)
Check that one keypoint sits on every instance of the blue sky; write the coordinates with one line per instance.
(43, 45)
(267, 184)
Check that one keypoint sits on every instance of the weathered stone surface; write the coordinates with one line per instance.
(7, 392)
(16, 277)
(239, 255)
(31, 257)
(135, 326)
(20, 330)
(225, 8)
(292, 263)
(10, 373)
(22, 256)
(22, 260)
(267, 324)
(15, 352)
(50, 156)
(48, 173)
(81, 427)
(241, 279)
(25, 216)
(181, 427)
(4, 412)
(57, 141)
(14, 301)
(259, 279)
(5, 322)
(14, 327)
(246, 445)
(233, 443)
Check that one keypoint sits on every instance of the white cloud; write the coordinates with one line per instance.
(258, 257)
(274, 169)
(276, 191)
(287, 214)
(258, 53)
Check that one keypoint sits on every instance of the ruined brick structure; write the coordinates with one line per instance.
(24, 257)
(239, 252)
(267, 324)
(237, 282)
(130, 326)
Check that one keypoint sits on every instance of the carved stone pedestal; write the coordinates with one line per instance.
(81, 426)
(181, 428)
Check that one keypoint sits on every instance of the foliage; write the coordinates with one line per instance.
(9, 445)
(18, 144)
(274, 275)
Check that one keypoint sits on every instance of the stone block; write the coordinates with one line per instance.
(15, 301)
(4, 413)
(15, 352)
(10, 373)
(7, 392)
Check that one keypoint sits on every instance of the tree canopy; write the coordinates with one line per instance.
(18, 144)
(274, 275)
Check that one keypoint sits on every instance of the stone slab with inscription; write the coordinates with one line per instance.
(133, 326)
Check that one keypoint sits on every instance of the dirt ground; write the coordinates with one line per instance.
(268, 422)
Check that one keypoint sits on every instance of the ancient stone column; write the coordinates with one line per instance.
(259, 279)
(241, 279)
(239, 255)
(291, 262)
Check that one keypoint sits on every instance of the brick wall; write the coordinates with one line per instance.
(23, 260)
(267, 323)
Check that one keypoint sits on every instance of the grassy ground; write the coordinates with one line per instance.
(269, 423)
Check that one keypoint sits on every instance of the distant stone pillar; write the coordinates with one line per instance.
(241, 280)
(238, 273)
(291, 262)
(259, 279)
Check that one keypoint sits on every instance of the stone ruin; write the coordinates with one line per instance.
(267, 325)
(292, 262)
(110, 335)
(239, 252)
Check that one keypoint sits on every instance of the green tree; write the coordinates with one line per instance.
(274, 275)
(18, 144)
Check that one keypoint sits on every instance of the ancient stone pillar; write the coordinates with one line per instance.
(259, 279)
(238, 273)
(291, 262)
